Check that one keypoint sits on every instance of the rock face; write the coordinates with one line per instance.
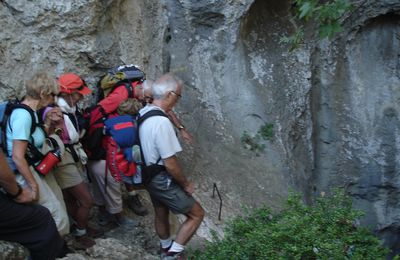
(355, 93)
(333, 106)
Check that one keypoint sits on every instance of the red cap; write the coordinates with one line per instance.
(71, 82)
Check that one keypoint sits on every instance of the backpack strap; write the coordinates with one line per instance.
(103, 112)
(31, 113)
(128, 86)
(6, 120)
(54, 143)
(154, 112)
(33, 155)
(141, 119)
(149, 171)
(73, 120)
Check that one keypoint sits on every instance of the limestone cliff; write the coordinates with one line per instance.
(333, 104)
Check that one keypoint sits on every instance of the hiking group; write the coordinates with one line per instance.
(51, 149)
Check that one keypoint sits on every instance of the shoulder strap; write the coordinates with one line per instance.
(128, 87)
(141, 119)
(103, 113)
(73, 120)
(11, 108)
(54, 143)
(154, 112)
(31, 113)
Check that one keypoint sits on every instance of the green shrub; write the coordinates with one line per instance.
(266, 131)
(323, 231)
(255, 143)
(252, 143)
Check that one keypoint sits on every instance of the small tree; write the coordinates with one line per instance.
(326, 230)
(326, 15)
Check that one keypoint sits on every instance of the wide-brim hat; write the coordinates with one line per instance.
(70, 83)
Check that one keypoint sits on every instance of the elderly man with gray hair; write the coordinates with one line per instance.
(169, 189)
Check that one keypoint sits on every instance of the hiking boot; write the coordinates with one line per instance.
(164, 251)
(78, 232)
(83, 242)
(175, 256)
(94, 233)
(136, 205)
(125, 222)
(103, 219)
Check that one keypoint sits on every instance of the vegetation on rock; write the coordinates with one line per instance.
(255, 143)
(326, 230)
(326, 15)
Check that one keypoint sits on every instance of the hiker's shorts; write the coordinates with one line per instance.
(165, 192)
(68, 175)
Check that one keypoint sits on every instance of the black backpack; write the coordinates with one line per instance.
(32, 155)
(6, 109)
(149, 171)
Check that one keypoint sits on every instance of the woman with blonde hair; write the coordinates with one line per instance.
(24, 146)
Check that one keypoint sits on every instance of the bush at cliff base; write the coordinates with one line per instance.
(326, 230)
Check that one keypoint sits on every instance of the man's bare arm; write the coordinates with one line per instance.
(175, 170)
(9, 184)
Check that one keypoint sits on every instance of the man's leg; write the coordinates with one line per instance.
(191, 224)
(32, 226)
(162, 227)
(174, 198)
(161, 221)
(80, 211)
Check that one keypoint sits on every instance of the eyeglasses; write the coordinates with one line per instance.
(176, 94)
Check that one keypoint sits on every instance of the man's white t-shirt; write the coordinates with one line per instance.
(157, 137)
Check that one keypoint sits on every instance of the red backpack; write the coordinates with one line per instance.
(94, 142)
(116, 161)
(121, 135)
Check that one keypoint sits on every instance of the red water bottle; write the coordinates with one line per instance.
(48, 162)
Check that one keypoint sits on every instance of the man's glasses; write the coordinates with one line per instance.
(176, 94)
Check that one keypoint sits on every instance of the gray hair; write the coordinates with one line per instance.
(148, 85)
(166, 83)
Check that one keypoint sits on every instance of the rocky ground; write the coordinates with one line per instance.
(129, 242)
(120, 242)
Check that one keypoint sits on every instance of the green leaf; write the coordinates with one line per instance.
(325, 15)
(329, 30)
(305, 10)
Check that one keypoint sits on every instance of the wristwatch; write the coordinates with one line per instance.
(180, 127)
(13, 196)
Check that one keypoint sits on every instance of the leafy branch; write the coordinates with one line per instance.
(326, 15)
